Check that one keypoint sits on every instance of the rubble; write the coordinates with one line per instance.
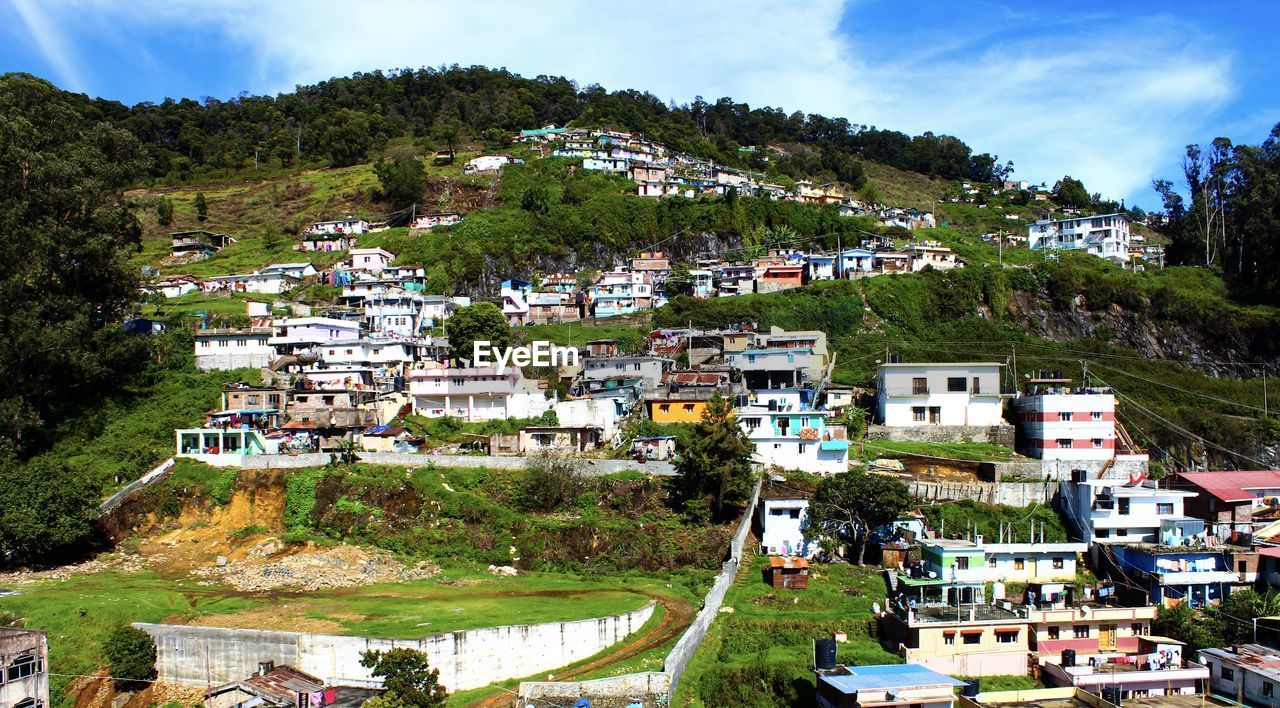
(504, 570)
(314, 569)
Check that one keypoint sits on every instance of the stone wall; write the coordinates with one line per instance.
(191, 656)
(1008, 493)
(996, 434)
(1060, 470)
(649, 688)
(413, 459)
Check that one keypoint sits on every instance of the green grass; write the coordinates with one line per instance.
(1004, 683)
(762, 651)
(956, 451)
(960, 517)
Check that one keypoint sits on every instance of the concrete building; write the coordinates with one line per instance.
(24, 668)
(960, 638)
(648, 368)
(1032, 562)
(1158, 668)
(620, 293)
(1232, 503)
(1112, 511)
(1062, 619)
(515, 301)
(886, 686)
(475, 393)
(783, 517)
(1172, 574)
(1057, 421)
(946, 394)
(262, 283)
(348, 226)
(246, 348)
(370, 260)
(1249, 674)
(301, 333)
(1105, 236)
(787, 433)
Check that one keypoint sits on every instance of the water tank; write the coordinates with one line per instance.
(824, 653)
(972, 688)
(1068, 657)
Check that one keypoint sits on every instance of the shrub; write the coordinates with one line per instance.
(130, 655)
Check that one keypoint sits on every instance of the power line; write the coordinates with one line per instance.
(1179, 388)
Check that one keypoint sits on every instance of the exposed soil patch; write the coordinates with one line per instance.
(278, 617)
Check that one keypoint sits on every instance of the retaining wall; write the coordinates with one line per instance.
(1009, 493)
(996, 434)
(412, 459)
(1060, 470)
(209, 656)
(647, 688)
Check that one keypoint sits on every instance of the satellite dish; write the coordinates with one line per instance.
(1084, 610)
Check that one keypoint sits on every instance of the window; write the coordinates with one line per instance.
(991, 562)
(1019, 563)
(949, 638)
(917, 414)
(28, 703)
(1096, 415)
(1058, 564)
(688, 407)
(1097, 442)
(1053, 632)
(1007, 637)
(802, 448)
(664, 407)
(752, 423)
(1081, 631)
(1122, 532)
(1227, 673)
(1064, 417)
(973, 638)
(1124, 505)
(1165, 509)
(1137, 629)
(1064, 442)
(794, 513)
(1268, 689)
(962, 563)
(919, 386)
(955, 384)
(22, 667)
(1102, 533)
(977, 387)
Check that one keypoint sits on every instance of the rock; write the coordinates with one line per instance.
(727, 610)
(505, 570)
(265, 547)
(221, 561)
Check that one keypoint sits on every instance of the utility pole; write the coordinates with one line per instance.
(1264, 391)
(1015, 364)
(1084, 372)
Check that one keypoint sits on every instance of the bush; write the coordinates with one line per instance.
(130, 655)
(549, 484)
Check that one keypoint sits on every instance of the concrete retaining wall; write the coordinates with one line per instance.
(997, 434)
(621, 690)
(1011, 494)
(202, 656)
(411, 459)
(1061, 469)
(158, 473)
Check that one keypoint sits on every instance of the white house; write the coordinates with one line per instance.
(371, 260)
(789, 435)
(515, 301)
(1111, 511)
(297, 270)
(952, 394)
(584, 412)
(395, 312)
(488, 163)
(263, 283)
(349, 226)
(475, 393)
(377, 353)
(233, 348)
(1249, 673)
(1032, 562)
(176, 285)
(430, 221)
(308, 332)
(783, 518)
(649, 368)
(1105, 236)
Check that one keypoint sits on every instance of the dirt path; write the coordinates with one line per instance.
(676, 617)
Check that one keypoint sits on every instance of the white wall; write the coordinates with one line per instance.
(783, 522)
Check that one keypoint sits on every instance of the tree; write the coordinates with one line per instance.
(202, 208)
(1234, 616)
(131, 656)
(679, 282)
(407, 676)
(66, 236)
(348, 136)
(480, 322)
(537, 199)
(402, 178)
(1070, 192)
(48, 507)
(284, 146)
(856, 503)
(1183, 623)
(164, 212)
(715, 470)
(446, 131)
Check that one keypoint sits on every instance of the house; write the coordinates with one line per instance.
(1232, 503)
(515, 301)
(590, 412)
(776, 277)
(1032, 562)
(772, 368)
(931, 254)
(734, 279)
(176, 285)
(370, 260)
(791, 436)
(24, 666)
(396, 312)
(945, 629)
(1063, 620)
(222, 447)
(334, 407)
(385, 356)
(782, 516)
(647, 368)
(284, 687)
(560, 438)
(1249, 673)
(602, 163)
(655, 447)
(475, 393)
(946, 394)
(387, 438)
(198, 244)
(703, 283)
(300, 270)
(438, 308)
(488, 163)
(349, 226)
(257, 406)
(620, 293)
(1105, 511)
(1157, 668)
(302, 333)
(1199, 575)
(789, 572)
(326, 242)
(1105, 236)
(893, 261)
(144, 326)
(273, 283)
(682, 396)
(654, 264)
(430, 221)
(553, 307)
(822, 267)
(246, 348)
(1056, 421)
(886, 686)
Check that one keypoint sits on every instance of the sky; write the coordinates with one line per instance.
(1108, 92)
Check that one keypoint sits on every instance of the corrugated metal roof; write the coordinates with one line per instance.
(1233, 486)
(880, 677)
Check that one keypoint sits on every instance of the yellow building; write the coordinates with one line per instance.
(961, 639)
(1058, 622)
(674, 410)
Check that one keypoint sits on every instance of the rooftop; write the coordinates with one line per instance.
(851, 679)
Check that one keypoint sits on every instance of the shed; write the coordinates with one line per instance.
(787, 572)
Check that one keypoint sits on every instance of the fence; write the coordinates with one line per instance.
(1008, 493)
(412, 459)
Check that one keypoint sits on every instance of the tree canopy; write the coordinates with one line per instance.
(402, 179)
(854, 504)
(407, 676)
(130, 654)
(715, 469)
(482, 321)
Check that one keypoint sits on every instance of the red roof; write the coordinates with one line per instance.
(1233, 486)
(788, 562)
(1270, 551)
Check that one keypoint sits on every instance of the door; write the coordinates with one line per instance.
(1107, 636)
(935, 415)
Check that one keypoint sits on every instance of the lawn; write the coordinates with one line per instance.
(977, 452)
(762, 652)
(79, 611)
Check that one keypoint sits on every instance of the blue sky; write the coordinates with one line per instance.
(1108, 92)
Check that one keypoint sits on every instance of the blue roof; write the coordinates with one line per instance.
(883, 676)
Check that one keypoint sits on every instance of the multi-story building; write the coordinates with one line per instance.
(1157, 668)
(476, 393)
(787, 433)
(1249, 673)
(1105, 236)
(301, 333)
(553, 307)
(386, 355)
(1190, 572)
(244, 348)
(1033, 562)
(950, 394)
(620, 293)
(1057, 421)
(515, 301)
(395, 312)
(783, 518)
(1232, 503)
(1107, 511)
(1061, 619)
(647, 368)
(957, 638)
(370, 260)
(931, 255)
(24, 666)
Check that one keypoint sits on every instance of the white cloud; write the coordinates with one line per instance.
(1108, 100)
(52, 44)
